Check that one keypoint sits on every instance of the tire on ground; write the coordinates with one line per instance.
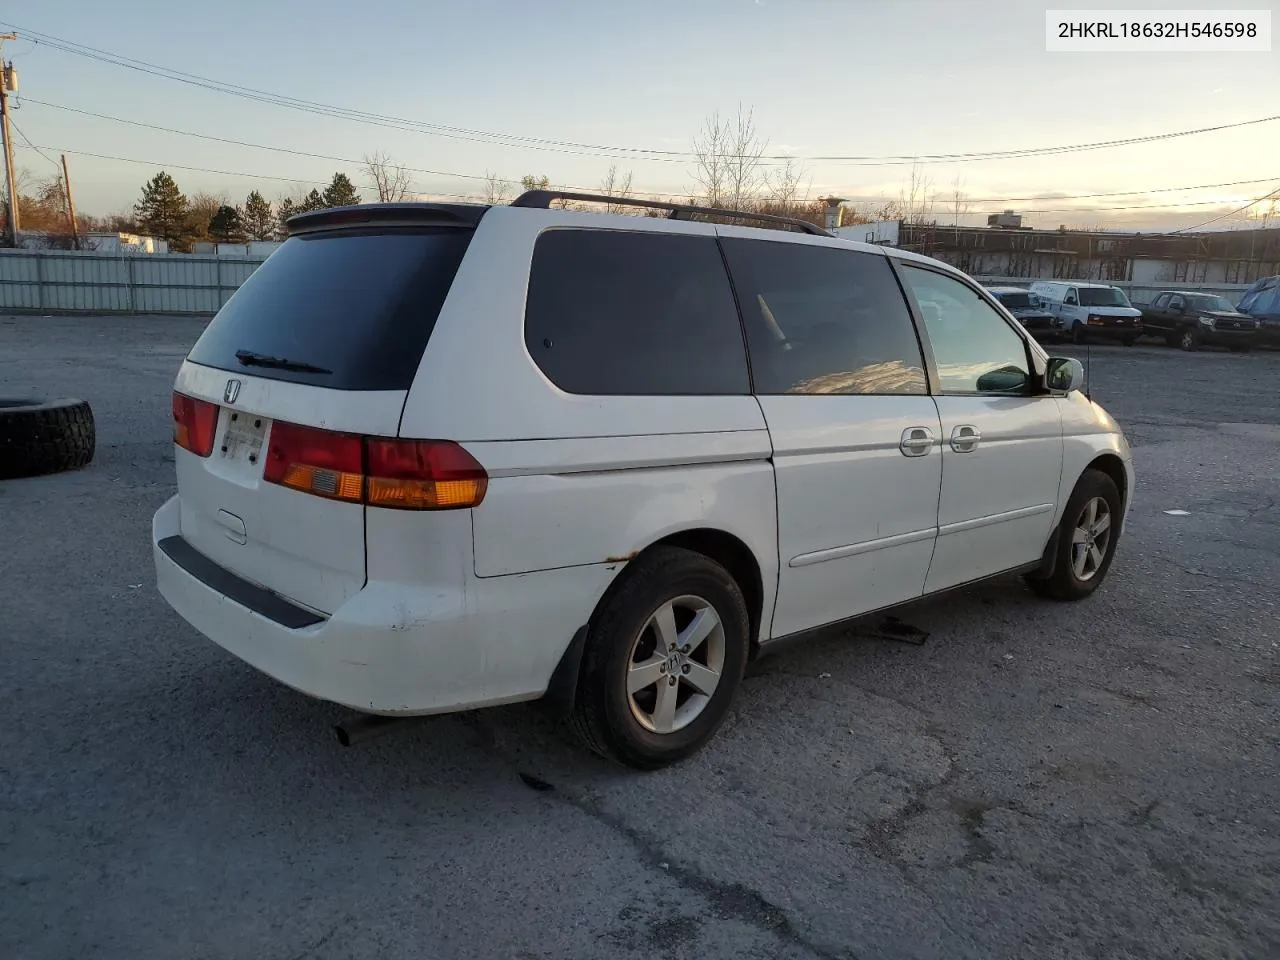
(603, 718)
(1064, 584)
(38, 437)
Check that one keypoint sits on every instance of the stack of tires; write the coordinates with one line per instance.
(39, 437)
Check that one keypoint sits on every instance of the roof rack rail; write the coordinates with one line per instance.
(542, 199)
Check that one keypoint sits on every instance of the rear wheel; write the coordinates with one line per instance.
(1189, 339)
(1087, 537)
(1240, 348)
(663, 660)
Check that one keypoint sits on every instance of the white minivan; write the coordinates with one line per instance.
(1090, 310)
(435, 457)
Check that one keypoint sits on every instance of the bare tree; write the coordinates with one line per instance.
(728, 158)
(916, 196)
(789, 184)
(496, 190)
(389, 179)
(616, 185)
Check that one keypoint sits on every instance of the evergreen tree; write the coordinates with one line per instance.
(259, 220)
(286, 207)
(227, 226)
(312, 201)
(341, 192)
(162, 210)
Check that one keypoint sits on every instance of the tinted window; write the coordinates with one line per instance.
(1161, 301)
(360, 305)
(821, 320)
(618, 313)
(1176, 302)
(1103, 297)
(1016, 301)
(975, 349)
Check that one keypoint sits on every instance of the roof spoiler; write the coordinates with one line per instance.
(387, 214)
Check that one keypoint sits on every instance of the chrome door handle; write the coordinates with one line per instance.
(965, 438)
(916, 441)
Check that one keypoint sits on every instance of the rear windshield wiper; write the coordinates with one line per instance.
(251, 359)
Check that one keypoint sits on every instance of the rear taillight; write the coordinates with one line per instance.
(194, 424)
(380, 472)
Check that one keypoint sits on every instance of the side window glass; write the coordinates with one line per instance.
(1176, 303)
(821, 320)
(1071, 299)
(975, 349)
(1161, 301)
(618, 313)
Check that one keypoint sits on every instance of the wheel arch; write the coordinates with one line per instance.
(718, 545)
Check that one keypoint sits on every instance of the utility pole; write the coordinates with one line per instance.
(11, 186)
(71, 205)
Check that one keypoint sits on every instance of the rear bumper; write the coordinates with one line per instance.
(391, 649)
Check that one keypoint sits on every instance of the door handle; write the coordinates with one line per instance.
(916, 441)
(964, 438)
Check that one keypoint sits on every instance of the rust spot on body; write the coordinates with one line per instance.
(622, 559)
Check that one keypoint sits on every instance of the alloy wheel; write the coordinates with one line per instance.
(675, 665)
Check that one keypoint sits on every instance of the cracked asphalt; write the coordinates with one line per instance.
(1035, 780)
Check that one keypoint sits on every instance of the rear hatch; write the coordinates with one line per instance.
(312, 355)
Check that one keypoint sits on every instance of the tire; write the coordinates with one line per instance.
(41, 437)
(628, 726)
(1189, 339)
(1094, 488)
(1240, 348)
(1078, 333)
(1172, 338)
(1129, 341)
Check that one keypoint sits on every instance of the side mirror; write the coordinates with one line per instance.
(1064, 374)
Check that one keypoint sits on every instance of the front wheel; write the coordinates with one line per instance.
(1078, 333)
(1087, 537)
(1190, 339)
(663, 660)
(1240, 348)
(1129, 341)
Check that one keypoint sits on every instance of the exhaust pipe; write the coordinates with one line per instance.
(363, 726)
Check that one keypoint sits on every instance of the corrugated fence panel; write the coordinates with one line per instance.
(97, 282)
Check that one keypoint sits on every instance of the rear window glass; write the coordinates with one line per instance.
(360, 305)
(622, 313)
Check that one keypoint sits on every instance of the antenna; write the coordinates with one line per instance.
(1088, 369)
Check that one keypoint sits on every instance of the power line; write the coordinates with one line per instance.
(652, 193)
(472, 197)
(584, 149)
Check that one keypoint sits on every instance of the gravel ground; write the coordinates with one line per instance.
(1036, 780)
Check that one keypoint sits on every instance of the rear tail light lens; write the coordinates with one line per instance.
(379, 472)
(194, 424)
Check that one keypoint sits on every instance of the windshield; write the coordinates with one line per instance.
(1210, 303)
(1103, 297)
(1015, 301)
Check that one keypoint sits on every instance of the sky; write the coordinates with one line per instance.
(822, 78)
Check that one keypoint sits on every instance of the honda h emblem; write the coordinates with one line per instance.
(233, 390)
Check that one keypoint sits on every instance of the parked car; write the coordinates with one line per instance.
(1191, 320)
(433, 457)
(1090, 310)
(1262, 302)
(1038, 321)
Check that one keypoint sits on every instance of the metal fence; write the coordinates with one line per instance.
(96, 282)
